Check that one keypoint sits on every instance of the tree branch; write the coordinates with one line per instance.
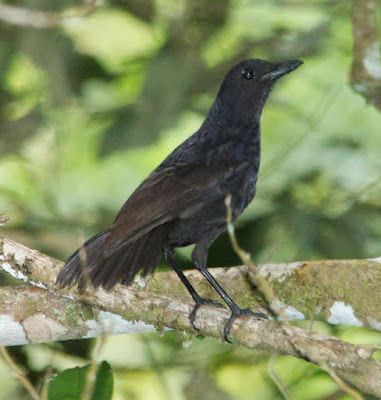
(337, 291)
(26, 17)
(366, 66)
(45, 313)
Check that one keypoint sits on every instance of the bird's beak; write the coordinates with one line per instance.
(282, 69)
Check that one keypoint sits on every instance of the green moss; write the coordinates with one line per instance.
(26, 266)
(31, 306)
(11, 258)
(74, 312)
(323, 283)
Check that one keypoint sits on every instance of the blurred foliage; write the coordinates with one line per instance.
(87, 111)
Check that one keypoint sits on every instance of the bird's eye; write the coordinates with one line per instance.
(247, 73)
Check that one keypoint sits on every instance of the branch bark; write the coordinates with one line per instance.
(43, 313)
(366, 65)
(26, 17)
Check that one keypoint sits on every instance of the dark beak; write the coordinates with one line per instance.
(282, 69)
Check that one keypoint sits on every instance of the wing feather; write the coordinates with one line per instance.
(173, 189)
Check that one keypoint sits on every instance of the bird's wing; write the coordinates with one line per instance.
(169, 191)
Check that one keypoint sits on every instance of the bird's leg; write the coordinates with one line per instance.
(236, 311)
(200, 301)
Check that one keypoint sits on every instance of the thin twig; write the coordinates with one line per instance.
(268, 293)
(157, 368)
(277, 380)
(20, 376)
(263, 286)
(341, 384)
(92, 372)
(45, 385)
(84, 265)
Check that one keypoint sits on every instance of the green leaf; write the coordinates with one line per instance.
(70, 384)
(27, 83)
(104, 384)
(110, 50)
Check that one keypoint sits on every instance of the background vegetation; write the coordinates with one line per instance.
(88, 108)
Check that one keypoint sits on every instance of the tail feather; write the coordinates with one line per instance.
(73, 271)
(138, 249)
(121, 266)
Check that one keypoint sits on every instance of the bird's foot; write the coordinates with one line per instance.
(200, 301)
(239, 313)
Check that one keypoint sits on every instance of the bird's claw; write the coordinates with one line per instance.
(199, 303)
(237, 314)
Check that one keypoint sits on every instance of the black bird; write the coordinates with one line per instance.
(182, 200)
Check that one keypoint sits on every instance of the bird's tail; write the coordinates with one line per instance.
(89, 263)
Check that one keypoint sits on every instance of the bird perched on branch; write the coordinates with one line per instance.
(182, 201)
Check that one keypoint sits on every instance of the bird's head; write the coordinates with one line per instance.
(247, 85)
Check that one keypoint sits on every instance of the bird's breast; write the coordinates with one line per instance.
(241, 186)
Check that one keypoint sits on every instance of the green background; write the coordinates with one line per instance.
(88, 109)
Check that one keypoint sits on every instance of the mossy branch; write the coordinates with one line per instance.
(41, 312)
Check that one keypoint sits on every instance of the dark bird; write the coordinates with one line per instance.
(182, 200)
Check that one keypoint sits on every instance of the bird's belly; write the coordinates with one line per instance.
(208, 219)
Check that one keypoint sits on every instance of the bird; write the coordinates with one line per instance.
(182, 202)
